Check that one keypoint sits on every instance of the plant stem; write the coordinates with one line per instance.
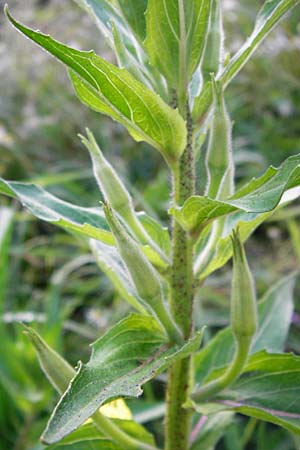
(112, 431)
(231, 374)
(181, 303)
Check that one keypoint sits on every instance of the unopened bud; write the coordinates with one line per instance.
(115, 193)
(243, 298)
(57, 370)
(219, 153)
(144, 276)
(212, 58)
(111, 186)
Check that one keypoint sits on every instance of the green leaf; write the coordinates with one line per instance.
(260, 195)
(222, 250)
(267, 390)
(110, 262)
(88, 437)
(134, 13)
(212, 429)
(274, 316)
(127, 356)
(268, 17)
(88, 222)
(176, 33)
(129, 51)
(114, 92)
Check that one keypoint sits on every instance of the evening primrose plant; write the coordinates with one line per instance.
(167, 90)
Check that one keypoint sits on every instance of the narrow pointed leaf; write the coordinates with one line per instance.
(274, 317)
(88, 222)
(258, 196)
(268, 17)
(267, 390)
(126, 357)
(114, 92)
(170, 48)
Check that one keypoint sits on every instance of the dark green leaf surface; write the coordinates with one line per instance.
(274, 315)
(125, 358)
(114, 92)
(170, 48)
(88, 222)
(268, 17)
(258, 196)
(267, 390)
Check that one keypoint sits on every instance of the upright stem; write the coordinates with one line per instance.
(181, 304)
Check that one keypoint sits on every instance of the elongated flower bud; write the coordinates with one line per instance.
(213, 54)
(219, 153)
(57, 370)
(111, 186)
(243, 298)
(115, 193)
(145, 278)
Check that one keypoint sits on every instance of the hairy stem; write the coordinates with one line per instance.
(181, 304)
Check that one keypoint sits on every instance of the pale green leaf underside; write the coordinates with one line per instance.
(164, 41)
(258, 196)
(113, 91)
(274, 317)
(88, 437)
(110, 262)
(126, 357)
(268, 390)
(268, 17)
(88, 222)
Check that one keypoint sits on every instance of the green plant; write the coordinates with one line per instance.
(168, 92)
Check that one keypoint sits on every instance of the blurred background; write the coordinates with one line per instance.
(47, 277)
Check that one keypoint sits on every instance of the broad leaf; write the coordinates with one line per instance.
(88, 222)
(260, 195)
(176, 33)
(268, 17)
(125, 358)
(88, 437)
(267, 390)
(110, 262)
(114, 92)
(274, 315)
(211, 431)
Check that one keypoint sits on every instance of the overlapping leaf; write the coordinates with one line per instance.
(128, 49)
(258, 196)
(125, 358)
(113, 91)
(274, 314)
(267, 390)
(268, 17)
(176, 33)
(212, 429)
